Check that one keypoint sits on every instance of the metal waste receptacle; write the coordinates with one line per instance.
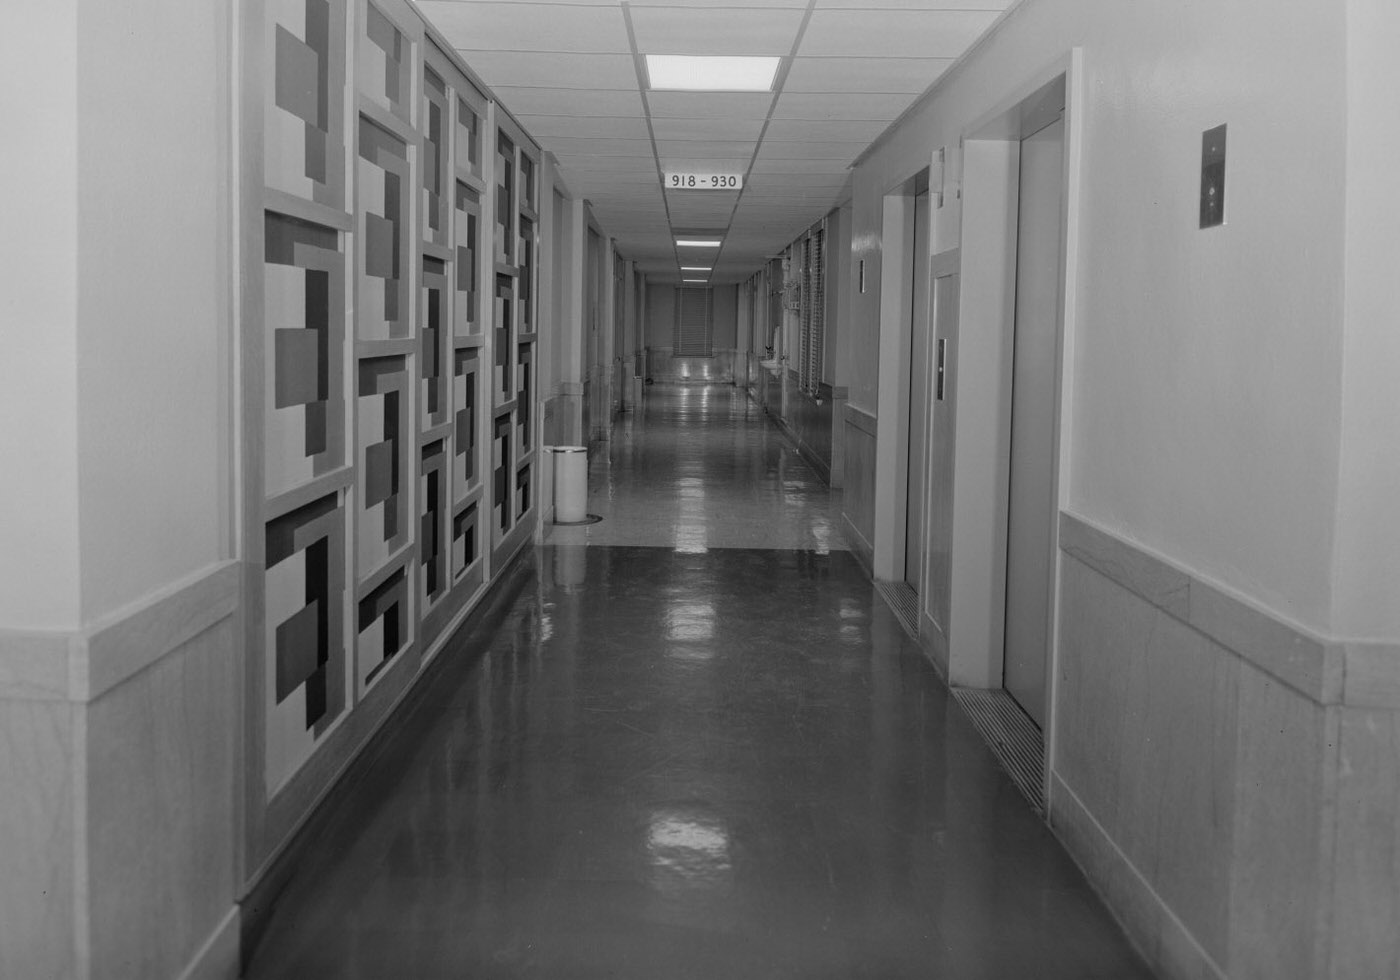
(570, 484)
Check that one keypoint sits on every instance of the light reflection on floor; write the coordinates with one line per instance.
(715, 473)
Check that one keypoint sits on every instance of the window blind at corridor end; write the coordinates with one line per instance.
(694, 334)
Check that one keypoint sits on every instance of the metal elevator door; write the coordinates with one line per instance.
(1030, 517)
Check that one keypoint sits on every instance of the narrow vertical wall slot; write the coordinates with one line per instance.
(939, 371)
(1213, 177)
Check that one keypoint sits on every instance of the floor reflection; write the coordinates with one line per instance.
(652, 764)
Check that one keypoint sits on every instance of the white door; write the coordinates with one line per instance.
(1030, 518)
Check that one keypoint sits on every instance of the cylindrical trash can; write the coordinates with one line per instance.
(570, 484)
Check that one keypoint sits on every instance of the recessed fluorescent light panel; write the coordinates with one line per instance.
(696, 268)
(694, 73)
(694, 280)
(698, 242)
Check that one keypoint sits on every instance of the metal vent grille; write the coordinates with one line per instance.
(694, 333)
(904, 603)
(1013, 738)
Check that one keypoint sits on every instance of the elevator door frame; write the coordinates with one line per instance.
(981, 363)
(893, 393)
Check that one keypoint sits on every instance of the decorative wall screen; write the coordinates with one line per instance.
(390, 464)
(694, 334)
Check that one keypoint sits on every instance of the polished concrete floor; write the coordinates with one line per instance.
(709, 752)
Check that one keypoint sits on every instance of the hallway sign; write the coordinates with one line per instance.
(678, 180)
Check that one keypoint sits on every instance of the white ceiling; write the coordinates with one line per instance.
(571, 70)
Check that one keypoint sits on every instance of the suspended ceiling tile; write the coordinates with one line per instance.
(909, 76)
(763, 183)
(683, 150)
(693, 213)
(632, 198)
(808, 105)
(707, 198)
(782, 150)
(997, 5)
(571, 101)
(601, 127)
(580, 163)
(708, 165)
(731, 31)
(721, 105)
(769, 165)
(860, 131)
(525, 27)
(706, 129)
(547, 70)
(603, 178)
(894, 33)
(593, 146)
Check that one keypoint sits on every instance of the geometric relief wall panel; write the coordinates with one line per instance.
(385, 453)
(524, 393)
(522, 492)
(433, 342)
(467, 216)
(303, 129)
(434, 158)
(383, 204)
(504, 375)
(385, 62)
(384, 627)
(465, 531)
(526, 279)
(505, 199)
(432, 517)
(468, 140)
(304, 649)
(501, 473)
(303, 320)
(466, 469)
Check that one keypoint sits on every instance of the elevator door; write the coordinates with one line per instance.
(1030, 514)
(918, 396)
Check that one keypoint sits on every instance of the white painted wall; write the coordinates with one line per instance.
(154, 295)
(1368, 521)
(1207, 400)
(38, 306)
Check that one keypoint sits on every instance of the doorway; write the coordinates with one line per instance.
(1031, 473)
(915, 482)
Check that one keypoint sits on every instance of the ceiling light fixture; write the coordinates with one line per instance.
(696, 268)
(699, 242)
(694, 280)
(695, 73)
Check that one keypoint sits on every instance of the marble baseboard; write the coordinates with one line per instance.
(1245, 769)
(1160, 936)
(118, 752)
(1325, 670)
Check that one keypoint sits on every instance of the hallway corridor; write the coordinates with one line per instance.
(697, 746)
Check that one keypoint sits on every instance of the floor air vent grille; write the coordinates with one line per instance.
(904, 601)
(1013, 738)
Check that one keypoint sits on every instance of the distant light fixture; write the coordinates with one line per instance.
(696, 268)
(695, 280)
(699, 242)
(695, 73)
